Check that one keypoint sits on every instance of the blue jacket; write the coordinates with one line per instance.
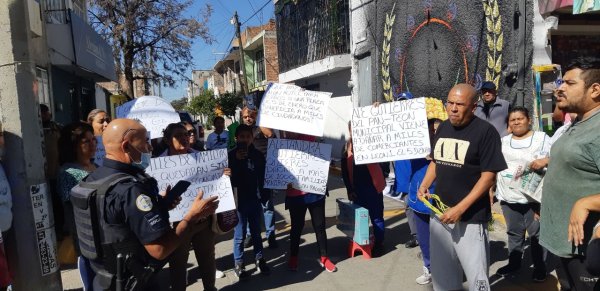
(419, 168)
(402, 173)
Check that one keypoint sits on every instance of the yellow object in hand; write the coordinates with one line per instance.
(442, 207)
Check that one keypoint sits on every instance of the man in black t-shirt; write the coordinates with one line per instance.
(466, 157)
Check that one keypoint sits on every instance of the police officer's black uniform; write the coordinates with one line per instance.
(133, 217)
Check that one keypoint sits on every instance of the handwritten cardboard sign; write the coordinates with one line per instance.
(100, 151)
(304, 164)
(203, 169)
(153, 112)
(291, 108)
(390, 132)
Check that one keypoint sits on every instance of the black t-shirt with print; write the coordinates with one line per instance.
(461, 154)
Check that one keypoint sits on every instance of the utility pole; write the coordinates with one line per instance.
(31, 244)
(244, 80)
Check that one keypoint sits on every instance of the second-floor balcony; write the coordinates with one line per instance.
(310, 30)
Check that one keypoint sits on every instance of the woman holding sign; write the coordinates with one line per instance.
(524, 151)
(297, 202)
(365, 184)
(176, 140)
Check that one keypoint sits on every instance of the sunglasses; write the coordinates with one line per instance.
(183, 134)
(191, 132)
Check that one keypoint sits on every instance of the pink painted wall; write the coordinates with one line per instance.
(547, 6)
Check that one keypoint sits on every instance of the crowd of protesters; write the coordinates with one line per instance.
(482, 151)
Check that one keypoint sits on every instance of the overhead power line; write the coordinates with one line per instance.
(256, 12)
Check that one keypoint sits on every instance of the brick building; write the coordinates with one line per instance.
(260, 55)
(260, 61)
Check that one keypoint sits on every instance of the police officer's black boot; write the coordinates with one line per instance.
(514, 264)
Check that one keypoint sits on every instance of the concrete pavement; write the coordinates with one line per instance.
(396, 270)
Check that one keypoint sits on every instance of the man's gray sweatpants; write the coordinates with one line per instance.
(458, 247)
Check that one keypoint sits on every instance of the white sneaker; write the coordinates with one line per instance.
(425, 278)
(219, 274)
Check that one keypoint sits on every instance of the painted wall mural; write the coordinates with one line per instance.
(428, 46)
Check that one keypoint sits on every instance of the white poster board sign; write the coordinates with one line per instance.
(44, 229)
(100, 151)
(203, 169)
(304, 164)
(391, 131)
(292, 108)
(153, 112)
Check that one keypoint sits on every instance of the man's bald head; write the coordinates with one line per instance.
(466, 90)
(125, 139)
(461, 104)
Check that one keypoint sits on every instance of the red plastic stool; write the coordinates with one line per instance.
(365, 250)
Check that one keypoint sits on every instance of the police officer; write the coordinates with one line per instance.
(136, 210)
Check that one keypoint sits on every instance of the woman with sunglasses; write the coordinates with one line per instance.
(176, 140)
(196, 140)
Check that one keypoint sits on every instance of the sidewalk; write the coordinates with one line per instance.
(396, 270)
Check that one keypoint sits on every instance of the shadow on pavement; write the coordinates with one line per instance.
(498, 251)
(522, 281)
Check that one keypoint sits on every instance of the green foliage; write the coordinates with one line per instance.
(229, 102)
(203, 104)
(179, 104)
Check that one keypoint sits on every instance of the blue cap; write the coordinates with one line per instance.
(404, 96)
(488, 85)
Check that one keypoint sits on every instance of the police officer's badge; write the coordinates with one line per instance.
(143, 203)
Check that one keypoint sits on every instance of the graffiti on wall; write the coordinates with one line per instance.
(428, 46)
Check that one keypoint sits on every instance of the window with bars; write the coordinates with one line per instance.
(310, 30)
(259, 65)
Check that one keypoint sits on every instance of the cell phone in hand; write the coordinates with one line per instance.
(177, 190)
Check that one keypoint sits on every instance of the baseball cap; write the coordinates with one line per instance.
(488, 85)
(404, 96)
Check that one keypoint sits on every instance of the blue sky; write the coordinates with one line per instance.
(205, 55)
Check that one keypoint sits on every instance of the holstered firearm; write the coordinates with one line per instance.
(140, 274)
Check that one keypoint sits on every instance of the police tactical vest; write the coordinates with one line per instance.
(88, 208)
(101, 242)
